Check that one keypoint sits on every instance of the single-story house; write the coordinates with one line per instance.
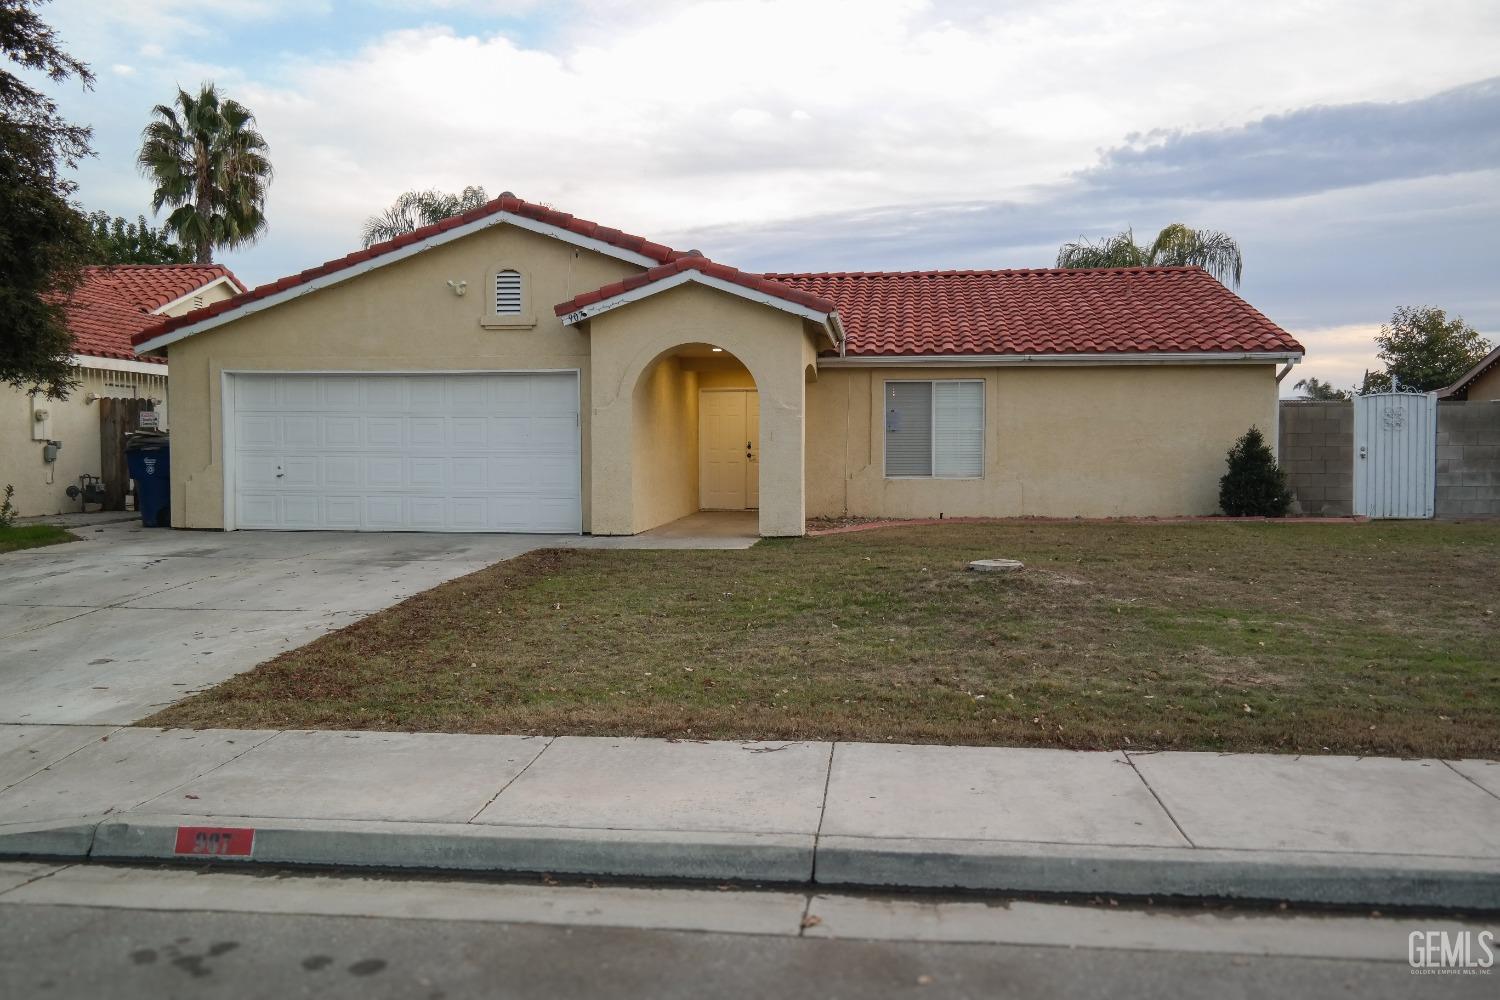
(110, 305)
(519, 369)
(1482, 382)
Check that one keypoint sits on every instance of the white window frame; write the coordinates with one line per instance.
(932, 427)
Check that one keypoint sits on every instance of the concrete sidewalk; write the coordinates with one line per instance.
(1369, 831)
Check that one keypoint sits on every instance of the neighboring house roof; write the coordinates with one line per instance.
(1460, 389)
(506, 208)
(114, 302)
(1046, 311)
(954, 313)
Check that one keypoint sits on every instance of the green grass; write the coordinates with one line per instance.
(33, 536)
(1376, 638)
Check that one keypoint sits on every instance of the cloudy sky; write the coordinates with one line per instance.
(1353, 148)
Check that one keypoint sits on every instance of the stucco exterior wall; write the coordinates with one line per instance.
(665, 453)
(1486, 387)
(1142, 440)
(773, 345)
(41, 488)
(399, 317)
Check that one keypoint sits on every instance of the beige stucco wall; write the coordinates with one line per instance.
(1059, 442)
(665, 451)
(1485, 387)
(41, 488)
(627, 342)
(399, 317)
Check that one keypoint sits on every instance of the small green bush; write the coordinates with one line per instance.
(8, 509)
(1254, 486)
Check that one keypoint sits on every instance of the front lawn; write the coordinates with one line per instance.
(1377, 638)
(31, 536)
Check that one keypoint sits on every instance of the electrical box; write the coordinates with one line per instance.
(41, 420)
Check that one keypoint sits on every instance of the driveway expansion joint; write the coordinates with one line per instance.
(1181, 832)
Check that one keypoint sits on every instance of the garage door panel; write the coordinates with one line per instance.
(257, 431)
(482, 452)
(383, 432)
(427, 432)
(343, 512)
(427, 472)
(385, 392)
(384, 513)
(301, 471)
(301, 510)
(342, 432)
(553, 432)
(301, 394)
(301, 431)
(257, 510)
(342, 393)
(385, 472)
(342, 471)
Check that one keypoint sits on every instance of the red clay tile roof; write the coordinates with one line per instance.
(694, 262)
(1042, 311)
(504, 203)
(113, 303)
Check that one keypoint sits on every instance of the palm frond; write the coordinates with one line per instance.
(1182, 246)
(1119, 250)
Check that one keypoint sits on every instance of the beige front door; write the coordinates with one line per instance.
(729, 449)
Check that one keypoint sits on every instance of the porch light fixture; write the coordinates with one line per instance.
(717, 350)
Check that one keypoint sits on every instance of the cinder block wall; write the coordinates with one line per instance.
(1468, 459)
(1316, 448)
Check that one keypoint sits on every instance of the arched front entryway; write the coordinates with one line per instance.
(656, 455)
(696, 438)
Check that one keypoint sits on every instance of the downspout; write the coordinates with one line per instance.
(1290, 362)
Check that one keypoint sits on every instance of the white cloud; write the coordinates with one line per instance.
(669, 117)
(1337, 354)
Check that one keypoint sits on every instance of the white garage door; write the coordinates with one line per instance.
(480, 452)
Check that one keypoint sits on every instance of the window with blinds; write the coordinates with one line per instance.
(935, 429)
(508, 293)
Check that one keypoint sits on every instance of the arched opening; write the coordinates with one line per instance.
(695, 444)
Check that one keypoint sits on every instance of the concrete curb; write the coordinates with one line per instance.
(1345, 879)
(997, 866)
(754, 857)
(71, 838)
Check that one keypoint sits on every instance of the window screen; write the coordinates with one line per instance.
(908, 428)
(935, 429)
(507, 293)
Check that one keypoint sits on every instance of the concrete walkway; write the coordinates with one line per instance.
(1370, 831)
(111, 628)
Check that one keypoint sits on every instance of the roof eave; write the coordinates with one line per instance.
(828, 321)
(1059, 359)
(342, 274)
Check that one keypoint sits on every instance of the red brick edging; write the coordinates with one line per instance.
(1210, 519)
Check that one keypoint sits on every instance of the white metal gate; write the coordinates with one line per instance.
(1395, 454)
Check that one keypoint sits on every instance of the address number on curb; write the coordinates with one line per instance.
(216, 841)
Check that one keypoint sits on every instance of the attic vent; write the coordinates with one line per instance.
(197, 302)
(508, 293)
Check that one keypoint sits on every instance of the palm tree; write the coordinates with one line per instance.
(1175, 246)
(210, 165)
(1315, 388)
(415, 209)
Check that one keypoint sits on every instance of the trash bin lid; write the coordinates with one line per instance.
(147, 440)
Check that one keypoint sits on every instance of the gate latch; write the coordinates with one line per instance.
(1361, 451)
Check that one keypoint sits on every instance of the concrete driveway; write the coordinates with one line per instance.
(108, 630)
